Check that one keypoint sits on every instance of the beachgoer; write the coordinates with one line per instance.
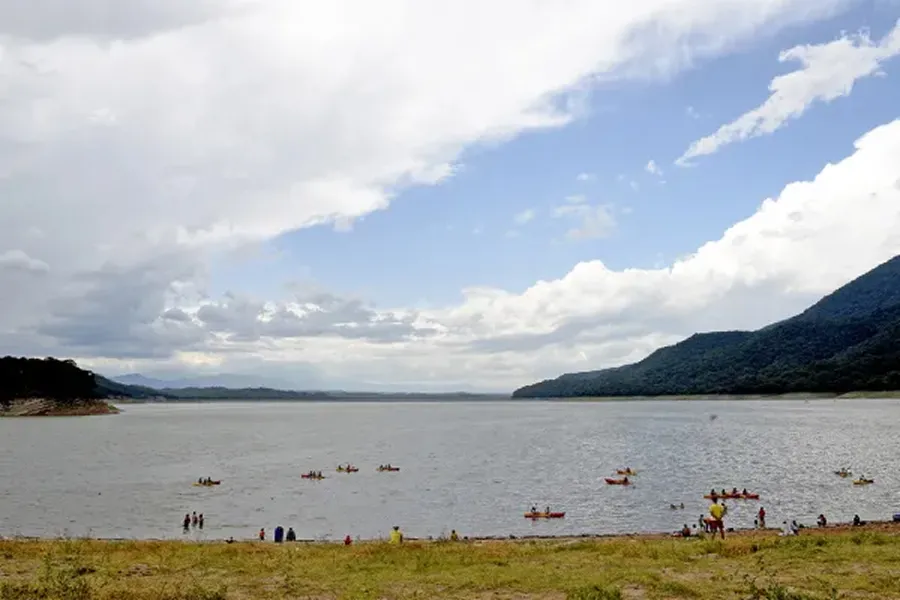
(200, 520)
(856, 521)
(822, 521)
(187, 521)
(761, 515)
(230, 540)
(717, 512)
(786, 529)
(454, 537)
(347, 540)
(396, 535)
(795, 528)
(686, 531)
(291, 536)
(704, 525)
(279, 534)
(262, 534)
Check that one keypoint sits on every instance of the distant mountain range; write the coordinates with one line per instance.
(225, 380)
(849, 341)
(140, 388)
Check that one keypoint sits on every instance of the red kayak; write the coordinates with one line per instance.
(543, 515)
(310, 476)
(611, 481)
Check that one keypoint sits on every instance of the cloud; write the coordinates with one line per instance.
(593, 222)
(653, 168)
(828, 72)
(691, 112)
(586, 177)
(525, 216)
(17, 260)
(142, 141)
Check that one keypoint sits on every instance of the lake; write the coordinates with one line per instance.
(472, 466)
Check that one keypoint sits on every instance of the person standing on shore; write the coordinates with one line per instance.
(396, 535)
(762, 517)
(717, 512)
(262, 534)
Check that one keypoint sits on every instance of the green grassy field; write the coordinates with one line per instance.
(864, 563)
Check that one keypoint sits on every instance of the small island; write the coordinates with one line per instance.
(34, 387)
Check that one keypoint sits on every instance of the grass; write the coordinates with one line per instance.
(815, 566)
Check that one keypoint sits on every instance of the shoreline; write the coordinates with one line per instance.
(881, 526)
(43, 407)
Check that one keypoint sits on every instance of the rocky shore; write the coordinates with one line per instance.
(43, 407)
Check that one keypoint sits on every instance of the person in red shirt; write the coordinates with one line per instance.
(347, 540)
(762, 517)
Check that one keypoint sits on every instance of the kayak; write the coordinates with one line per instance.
(863, 481)
(543, 515)
(308, 476)
(843, 473)
(391, 469)
(616, 481)
(210, 484)
(345, 470)
(625, 472)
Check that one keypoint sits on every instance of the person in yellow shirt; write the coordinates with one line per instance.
(717, 516)
(454, 537)
(396, 535)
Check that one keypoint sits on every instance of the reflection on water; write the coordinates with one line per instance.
(475, 467)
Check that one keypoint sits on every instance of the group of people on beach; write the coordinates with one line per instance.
(192, 520)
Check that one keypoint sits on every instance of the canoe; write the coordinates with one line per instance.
(863, 481)
(623, 472)
(308, 476)
(732, 497)
(543, 515)
(840, 474)
(391, 469)
(350, 470)
(210, 484)
(616, 481)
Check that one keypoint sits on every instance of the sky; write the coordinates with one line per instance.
(429, 195)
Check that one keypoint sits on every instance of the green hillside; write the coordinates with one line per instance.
(848, 341)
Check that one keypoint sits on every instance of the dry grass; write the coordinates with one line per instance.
(840, 564)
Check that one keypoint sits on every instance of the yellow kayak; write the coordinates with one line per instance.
(863, 481)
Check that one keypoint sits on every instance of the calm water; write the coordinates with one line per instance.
(471, 466)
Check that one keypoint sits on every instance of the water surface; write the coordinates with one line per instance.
(472, 466)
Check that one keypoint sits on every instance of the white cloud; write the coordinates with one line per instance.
(828, 72)
(653, 168)
(19, 261)
(586, 177)
(692, 112)
(143, 139)
(525, 216)
(592, 222)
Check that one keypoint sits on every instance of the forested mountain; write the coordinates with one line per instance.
(848, 341)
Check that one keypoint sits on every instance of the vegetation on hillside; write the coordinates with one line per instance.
(848, 341)
(58, 380)
(815, 566)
